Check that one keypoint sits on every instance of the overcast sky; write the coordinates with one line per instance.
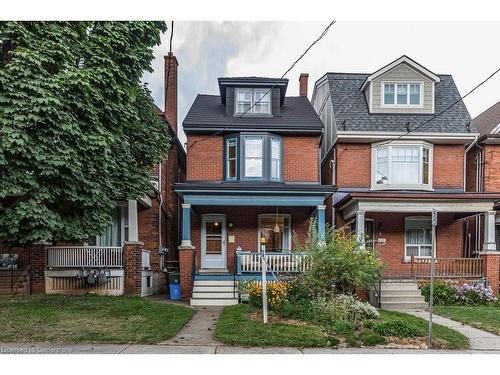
(208, 50)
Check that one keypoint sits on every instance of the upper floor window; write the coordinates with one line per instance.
(253, 157)
(402, 94)
(402, 165)
(250, 101)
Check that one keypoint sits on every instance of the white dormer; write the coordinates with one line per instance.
(403, 86)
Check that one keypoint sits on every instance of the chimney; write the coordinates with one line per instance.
(171, 65)
(303, 84)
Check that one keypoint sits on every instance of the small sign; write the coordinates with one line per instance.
(434, 217)
(381, 241)
(231, 238)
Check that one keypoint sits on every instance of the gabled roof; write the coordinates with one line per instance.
(281, 83)
(352, 113)
(403, 59)
(487, 121)
(208, 114)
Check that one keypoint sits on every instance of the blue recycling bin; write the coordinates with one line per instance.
(174, 286)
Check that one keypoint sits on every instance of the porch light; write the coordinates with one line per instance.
(276, 228)
(216, 223)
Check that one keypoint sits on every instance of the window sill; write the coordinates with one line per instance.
(401, 187)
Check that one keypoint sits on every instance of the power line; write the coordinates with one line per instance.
(325, 31)
(444, 110)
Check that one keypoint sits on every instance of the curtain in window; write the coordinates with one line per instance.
(405, 165)
(275, 242)
(253, 157)
(418, 236)
(112, 235)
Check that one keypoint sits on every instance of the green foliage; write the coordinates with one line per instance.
(343, 327)
(78, 129)
(397, 328)
(337, 265)
(329, 311)
(369, 338)
(444, 294)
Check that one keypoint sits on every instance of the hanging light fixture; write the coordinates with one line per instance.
(276, 226)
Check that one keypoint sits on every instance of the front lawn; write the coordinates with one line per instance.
(235, 328)
(89, 319)
(482, 317)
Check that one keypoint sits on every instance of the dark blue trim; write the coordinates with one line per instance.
(254, 200)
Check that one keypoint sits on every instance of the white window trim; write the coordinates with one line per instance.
(262, 157)
(408, 258)
(289, 239)
(252, 102)
(236, 158)
(389, 186)
(407, 105)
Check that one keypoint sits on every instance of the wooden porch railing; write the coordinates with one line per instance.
(84, 256)
(448, 267)
(249, 262)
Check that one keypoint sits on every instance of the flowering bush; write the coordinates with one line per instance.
(478, 294)
(276, 293)
(345, 307)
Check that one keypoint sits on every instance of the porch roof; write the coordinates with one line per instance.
(253, 194)
(462, 204)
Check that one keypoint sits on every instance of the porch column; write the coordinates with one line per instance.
(321, 221)
(360, 228)
(489, 253)
(186, 224)
(133, 226)
(489, 231)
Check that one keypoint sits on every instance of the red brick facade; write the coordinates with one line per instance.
(132, 264)
(491, 168)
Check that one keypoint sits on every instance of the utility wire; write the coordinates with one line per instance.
(325, 31)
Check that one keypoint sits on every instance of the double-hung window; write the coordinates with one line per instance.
(253, 157)
(402, 166)
(402, 94)
(250, 101)
(275, 158)
(231, 158)
(418, 237)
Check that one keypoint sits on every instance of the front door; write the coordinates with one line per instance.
(213, 241)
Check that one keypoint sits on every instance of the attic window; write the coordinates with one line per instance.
(250, 101)
(402, 94)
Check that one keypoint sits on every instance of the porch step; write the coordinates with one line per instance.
(404, 306)
(213, 301)
(214, 290)
(401, 295)
(212, 295)
(213, 282)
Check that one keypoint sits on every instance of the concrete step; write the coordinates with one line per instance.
(401, 292)
(214, 288)
(213, 302)
(402, 299)
(399, 286)
(404, 306)
(213, 283)
(215, 295)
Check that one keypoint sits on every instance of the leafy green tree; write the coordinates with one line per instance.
(78, 129)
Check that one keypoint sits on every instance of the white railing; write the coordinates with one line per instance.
(84, 256)
(276, 262)
(146, 259)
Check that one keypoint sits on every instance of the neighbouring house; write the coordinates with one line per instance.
(253, 183)
(483, 174)
(394, 158)
(136, 251)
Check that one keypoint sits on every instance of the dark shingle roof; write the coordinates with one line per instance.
(208, 114)
(349, 104)
(488, 120)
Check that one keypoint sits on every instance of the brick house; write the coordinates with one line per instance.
(393, 161)
(133, 255)
(253, 181)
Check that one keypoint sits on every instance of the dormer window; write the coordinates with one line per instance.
(406, 95)
(250, 101)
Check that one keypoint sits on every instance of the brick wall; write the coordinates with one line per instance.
(448, 168)
(132, 262)
(491, 168)
(205, 158)
(471, 169)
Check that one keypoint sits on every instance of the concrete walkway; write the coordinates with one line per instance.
(478, 339)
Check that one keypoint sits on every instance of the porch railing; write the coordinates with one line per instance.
(448, 267)
(84, 256)
(249, 262)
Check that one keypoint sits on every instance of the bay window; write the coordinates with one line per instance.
(253, 157)
(418, 237)
(399, 165)
(250, 101)
(402, 94)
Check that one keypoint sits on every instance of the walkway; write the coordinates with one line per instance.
(478, 339)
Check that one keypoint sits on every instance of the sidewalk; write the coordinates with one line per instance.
(478, 339)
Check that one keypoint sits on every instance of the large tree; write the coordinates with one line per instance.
(78, 129)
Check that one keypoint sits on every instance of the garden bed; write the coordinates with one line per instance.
(89, 319)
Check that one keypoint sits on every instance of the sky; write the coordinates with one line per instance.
(209, 50)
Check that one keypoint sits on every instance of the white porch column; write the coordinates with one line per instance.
(489, 232)
(360, 228)
(133, 226)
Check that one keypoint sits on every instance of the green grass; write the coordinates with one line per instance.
(234, 328)
(89, 319)
(450, 338)
(483, 317)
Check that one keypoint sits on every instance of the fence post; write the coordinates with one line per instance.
(412, 264)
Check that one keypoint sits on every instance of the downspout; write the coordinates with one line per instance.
(474, 142)
(160, 204)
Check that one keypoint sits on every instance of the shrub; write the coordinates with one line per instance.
(343, 327)
(276, 294)
(478, 294)
(337, 265)
(397, 328)
(444, 293)
(298, 310)
(369, 338)
(330, 310)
